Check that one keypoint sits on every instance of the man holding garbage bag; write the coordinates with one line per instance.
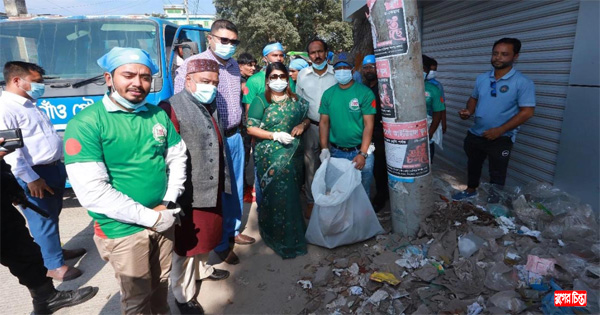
(347, 119)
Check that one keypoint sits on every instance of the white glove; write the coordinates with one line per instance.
(324, 154)
(166, 220)
(283, 137)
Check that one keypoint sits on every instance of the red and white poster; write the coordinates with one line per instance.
(407, 149)
(386, 88)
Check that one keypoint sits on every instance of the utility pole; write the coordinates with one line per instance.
(187, 14)
(15, 7)
(397, 46)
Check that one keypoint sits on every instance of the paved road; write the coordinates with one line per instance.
(262, 283)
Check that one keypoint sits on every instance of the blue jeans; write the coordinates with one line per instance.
(45, 230)
(233, 204)
(367, 171)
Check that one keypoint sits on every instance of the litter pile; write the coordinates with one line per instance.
(503, 251)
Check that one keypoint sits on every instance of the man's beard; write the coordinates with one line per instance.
(503, 65)
(370, 77)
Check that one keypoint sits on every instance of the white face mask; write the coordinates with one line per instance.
(431, 75)
(205, 93)
(224, 51)
(424, 75)
(123, 101)
(320, 66)
(278, 85)
(343, 76)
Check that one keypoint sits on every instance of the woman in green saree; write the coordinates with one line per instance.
(276, 119)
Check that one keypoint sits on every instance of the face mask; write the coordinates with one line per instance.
(123, 101)
(205, 93)
(343, 76)
(224, 51)
(37, 89)
(424, 75)
(320, 66)
(431, 75)
(278, 85)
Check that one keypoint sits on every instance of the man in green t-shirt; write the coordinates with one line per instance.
(435, 108)
(256, 83)
(347, 119)
(118, 152)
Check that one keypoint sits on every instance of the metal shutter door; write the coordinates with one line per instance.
(460, 35)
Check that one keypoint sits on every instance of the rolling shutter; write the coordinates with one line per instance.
(460, 35)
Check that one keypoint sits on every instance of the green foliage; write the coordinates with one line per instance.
(292, 22)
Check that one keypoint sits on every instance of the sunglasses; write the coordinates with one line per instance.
(278, 76)
(493, 87)
(227, 41)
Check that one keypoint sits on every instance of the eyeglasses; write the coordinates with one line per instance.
(226, 41)
(282, 76)
(493, 87)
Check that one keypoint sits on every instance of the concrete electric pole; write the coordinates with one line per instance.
(397, 46)
(187, 14)
(15, 7)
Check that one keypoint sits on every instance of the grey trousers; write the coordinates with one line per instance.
(312, 150)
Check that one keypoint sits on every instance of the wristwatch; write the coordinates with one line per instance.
(169, 204)
(365, 155)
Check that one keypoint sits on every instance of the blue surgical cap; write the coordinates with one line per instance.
(368, 59)
(271, 48)
(119, 56)
(298, 64)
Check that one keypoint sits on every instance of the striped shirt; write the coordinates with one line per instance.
(229, 103)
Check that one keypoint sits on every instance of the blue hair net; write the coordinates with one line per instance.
(271, 48)
(298, 64)
(119, 56)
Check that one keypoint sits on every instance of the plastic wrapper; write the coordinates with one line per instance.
(508, 301)
(532, 216)
(500, 277)
(469, 244)
(384, 277)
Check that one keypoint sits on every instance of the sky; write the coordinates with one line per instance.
(112, 7)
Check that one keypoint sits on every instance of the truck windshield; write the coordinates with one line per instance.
(68, 48)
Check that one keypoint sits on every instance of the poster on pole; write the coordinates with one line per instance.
(391, 38)
(406, 149)
(386, 88)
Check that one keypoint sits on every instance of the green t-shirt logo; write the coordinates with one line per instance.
(159, 132)
(354, 105)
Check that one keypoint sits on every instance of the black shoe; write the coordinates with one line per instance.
(191, 307)
(218, 274)
(47, 300)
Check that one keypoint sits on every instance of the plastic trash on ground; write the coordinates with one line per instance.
(343, 213)
(542, 266)
(384, 277)
(469, 244)
(508, 301)
(306, 284)
(500, 277)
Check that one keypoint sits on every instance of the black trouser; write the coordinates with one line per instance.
(432, 151)
(380, 169)
(498, 153)
(19, 252)
(247, 140)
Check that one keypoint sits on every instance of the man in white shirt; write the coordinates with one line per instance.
(126, 163)
(37, 166)
(312, 82)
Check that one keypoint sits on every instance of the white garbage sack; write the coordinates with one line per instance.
(342, 213)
